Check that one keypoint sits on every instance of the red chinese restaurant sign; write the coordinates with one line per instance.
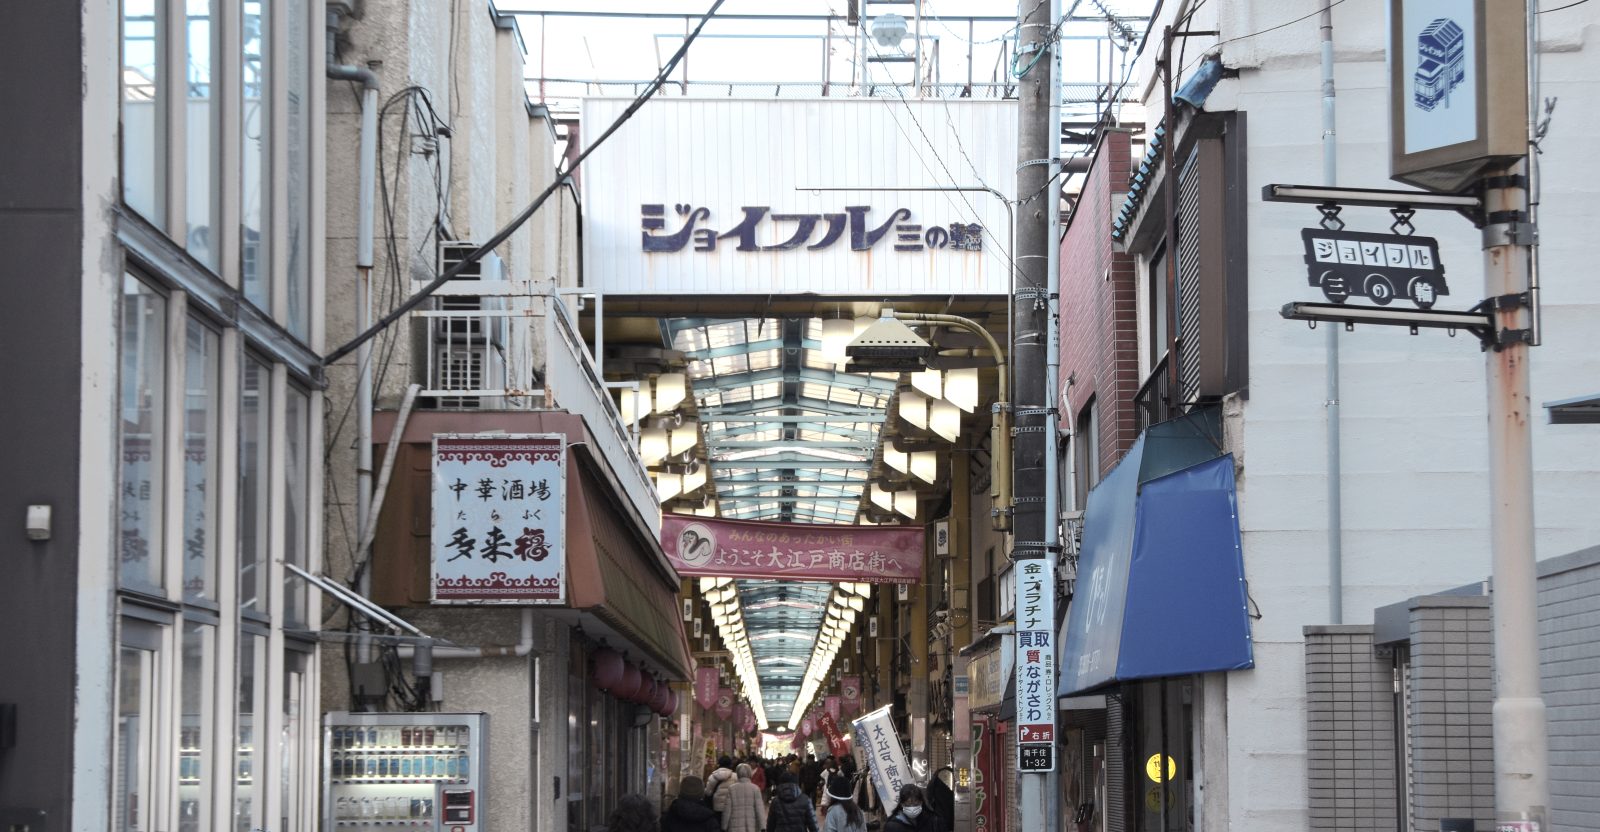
(751, 549)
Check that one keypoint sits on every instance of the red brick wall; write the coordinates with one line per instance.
(1099, 307)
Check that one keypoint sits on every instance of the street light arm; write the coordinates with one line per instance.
(999, 425)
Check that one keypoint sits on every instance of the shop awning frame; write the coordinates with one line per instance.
(1161, 588)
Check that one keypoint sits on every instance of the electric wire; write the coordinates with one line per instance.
(1559, 8)
(1218, 46)
(527, 213)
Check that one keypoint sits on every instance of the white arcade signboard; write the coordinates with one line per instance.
(841, 197)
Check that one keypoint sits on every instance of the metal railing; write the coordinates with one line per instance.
(506, 345)
(573, 385)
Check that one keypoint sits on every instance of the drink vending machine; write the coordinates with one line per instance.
(403, 771)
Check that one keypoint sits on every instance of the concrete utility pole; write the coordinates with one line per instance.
(1521, 740)
(1037, 144)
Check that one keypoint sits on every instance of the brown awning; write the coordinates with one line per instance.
(620, 584)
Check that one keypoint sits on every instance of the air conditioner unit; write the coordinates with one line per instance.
(468, 350)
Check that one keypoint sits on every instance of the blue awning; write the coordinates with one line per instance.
(1161, 588)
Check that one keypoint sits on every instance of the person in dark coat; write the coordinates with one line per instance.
(633, 814)
(791, 810)
(913, 814)
(689, 813)
(941, 798)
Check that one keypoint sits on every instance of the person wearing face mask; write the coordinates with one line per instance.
(913, 814)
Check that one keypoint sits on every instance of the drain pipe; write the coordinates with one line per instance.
(521, 649)
(368, 164)
(1330, 177)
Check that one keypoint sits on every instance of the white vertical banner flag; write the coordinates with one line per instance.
(1036, 669)
(875, 737)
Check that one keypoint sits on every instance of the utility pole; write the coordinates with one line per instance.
(1521, 740)
(1037, 145)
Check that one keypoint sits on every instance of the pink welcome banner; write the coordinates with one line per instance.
(850, 698)
(705, 686)
(724, 707)
(801, 551)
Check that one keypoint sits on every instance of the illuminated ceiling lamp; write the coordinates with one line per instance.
(633, 404)
(837, 333)
(694, 480)
(858, 603)
(914, 409)
(882, 498)
(668, 486)
(930, 382)
(961, 388)
(944, 419)
(683, 437)
(652, 445)
(671, 390)
(925, 465)
(905, 502)
(897, 459)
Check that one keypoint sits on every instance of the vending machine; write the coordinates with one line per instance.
(396, 771)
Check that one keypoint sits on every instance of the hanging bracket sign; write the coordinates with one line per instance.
(499, 519)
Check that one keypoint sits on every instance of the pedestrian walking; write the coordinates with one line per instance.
(689, 812)
(720, 778)
(633, 814)
(791, 810)
(745, 810)
(843, 813)
(913, 814)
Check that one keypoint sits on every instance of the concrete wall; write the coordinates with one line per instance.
(1350, 739)
(1451, 691)
(1414, 483)
(41, 204)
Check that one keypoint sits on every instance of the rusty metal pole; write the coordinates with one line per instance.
(1521, 741)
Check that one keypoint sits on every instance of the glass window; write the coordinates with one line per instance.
(249, 800)
(203, 123)
(296, 486)
(143, 108)
(255, 448)
(136, 693)
(298, 78)
(1158, 307)
(144, 394)
(254, 182)
(194, 739)
(200, 428)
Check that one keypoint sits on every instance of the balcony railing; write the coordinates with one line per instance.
(1154, 402)
(504, 345)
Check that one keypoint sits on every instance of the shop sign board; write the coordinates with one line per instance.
(499, 519)
(986, 675)
(1035, 663)
(875, 734)
(794, 551)
(1458, 89)
(988, 792)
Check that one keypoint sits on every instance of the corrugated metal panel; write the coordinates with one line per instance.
(726, 154)
(1116, 808)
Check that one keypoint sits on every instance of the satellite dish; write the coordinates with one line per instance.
(888, 30)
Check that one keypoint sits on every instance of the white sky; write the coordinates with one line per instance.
(788, 52)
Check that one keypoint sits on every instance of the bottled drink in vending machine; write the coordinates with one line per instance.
(428, 737)
(405, 737)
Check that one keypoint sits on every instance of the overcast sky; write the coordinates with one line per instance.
(788, 52)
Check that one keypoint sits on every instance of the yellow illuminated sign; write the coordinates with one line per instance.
(1152, 768)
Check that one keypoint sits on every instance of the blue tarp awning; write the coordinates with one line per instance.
(1161, 588)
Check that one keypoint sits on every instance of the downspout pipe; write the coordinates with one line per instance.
(367, 162)
(1330, 176)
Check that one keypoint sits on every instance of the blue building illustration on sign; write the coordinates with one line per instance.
(1441, 63)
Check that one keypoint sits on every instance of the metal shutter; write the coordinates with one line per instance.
(1116, 792)
(1188, 280)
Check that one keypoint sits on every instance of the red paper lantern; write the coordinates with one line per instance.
(606, 671)
(647, 689)
(672, 703)
(632, 682)
(658, 700)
